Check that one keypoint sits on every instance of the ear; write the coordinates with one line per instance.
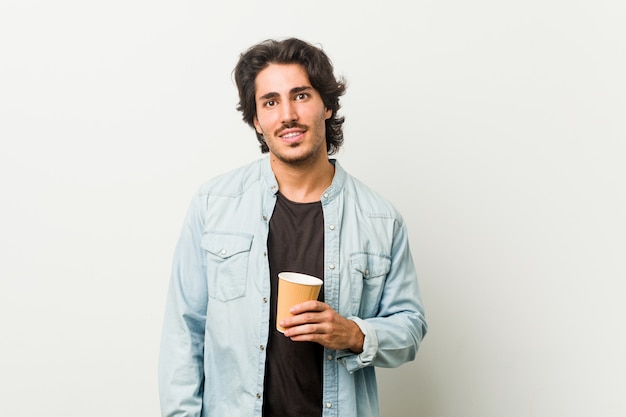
(257, 126)
(328, 114)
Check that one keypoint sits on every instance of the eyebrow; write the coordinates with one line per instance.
(294, 90)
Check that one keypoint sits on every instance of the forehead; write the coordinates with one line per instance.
(280, 79)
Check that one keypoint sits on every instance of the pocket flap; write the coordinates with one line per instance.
(226, 245)
(371, 265)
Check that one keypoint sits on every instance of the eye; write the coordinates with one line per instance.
(269, 103)
(301, 96)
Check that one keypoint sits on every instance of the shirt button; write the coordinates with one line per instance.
(329, 405)
(223, 252)
(262, 347)
(367, 272)
(264, 218)
(265, 299)
(330, 357)
(331, 266)
(325, 195)
(331, 227)
(258, 396)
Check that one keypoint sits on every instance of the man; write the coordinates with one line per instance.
(295, 210)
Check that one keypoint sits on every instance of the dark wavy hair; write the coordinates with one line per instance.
(289, 51)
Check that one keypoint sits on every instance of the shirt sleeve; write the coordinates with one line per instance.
(181, 359)
(394, 335)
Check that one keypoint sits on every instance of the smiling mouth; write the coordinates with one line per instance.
(291, 131)
(291, 135)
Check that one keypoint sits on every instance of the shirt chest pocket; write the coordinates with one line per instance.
(368, 278)
(227, 258)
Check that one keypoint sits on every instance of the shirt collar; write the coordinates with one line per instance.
(328, 195)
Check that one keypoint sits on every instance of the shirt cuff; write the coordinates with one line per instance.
(353, 361)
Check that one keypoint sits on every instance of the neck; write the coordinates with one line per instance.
(303, 183)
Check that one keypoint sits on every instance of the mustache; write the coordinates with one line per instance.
(290, 125)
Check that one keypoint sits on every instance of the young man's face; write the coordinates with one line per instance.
(290, 114)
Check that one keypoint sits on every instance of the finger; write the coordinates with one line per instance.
(310, 337)
(306, 317)
(301, 330)
(312, 305)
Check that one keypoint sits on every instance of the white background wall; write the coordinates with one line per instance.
(497, 128)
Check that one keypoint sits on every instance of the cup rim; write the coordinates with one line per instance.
(300, 278)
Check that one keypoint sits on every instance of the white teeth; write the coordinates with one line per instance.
(290, 135)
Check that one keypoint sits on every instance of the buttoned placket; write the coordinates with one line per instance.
(331, 297)
(267, 209)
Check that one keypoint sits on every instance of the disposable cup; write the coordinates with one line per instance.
(294, 288)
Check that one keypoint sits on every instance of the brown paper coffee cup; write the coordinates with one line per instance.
(294, 288)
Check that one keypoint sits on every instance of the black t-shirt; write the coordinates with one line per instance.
(293, 370)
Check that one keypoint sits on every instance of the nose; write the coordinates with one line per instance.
(288, 112)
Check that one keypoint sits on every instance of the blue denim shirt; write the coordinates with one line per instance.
(212, 358)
